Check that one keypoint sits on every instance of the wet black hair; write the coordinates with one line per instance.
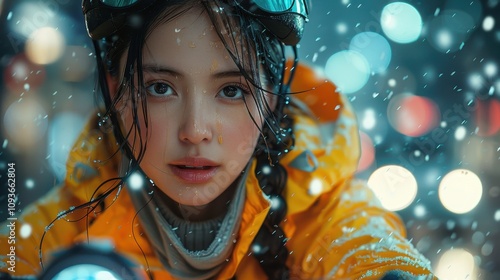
(267, 54)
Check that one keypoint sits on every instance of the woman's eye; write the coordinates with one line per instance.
(232, 92)
(159, 89)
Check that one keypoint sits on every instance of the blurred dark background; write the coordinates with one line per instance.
(422, 77)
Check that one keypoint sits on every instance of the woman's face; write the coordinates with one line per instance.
(201, 135)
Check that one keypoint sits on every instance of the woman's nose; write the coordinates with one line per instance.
(195, 126)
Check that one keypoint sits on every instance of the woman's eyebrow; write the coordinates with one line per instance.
(227, 74)
(173, 72)
(160, 69)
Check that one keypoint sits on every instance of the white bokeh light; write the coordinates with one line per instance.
(490, 69)
(395, 186)
(341, 28)
(45, 45)
(349, 70)
(369, 120)
(460, 133)
(401, 22)
(456, 264)
(135, 181)
(497, 215)
(392, 82)
(476, 81)
(30, 183)
(488, 23)
(29, 15)
(444, 39)
(25, 231)
(460, 191)
(315, 187)
(419, 211)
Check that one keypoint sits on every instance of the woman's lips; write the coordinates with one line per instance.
(194, 174)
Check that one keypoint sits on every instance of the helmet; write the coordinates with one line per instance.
(283, 18)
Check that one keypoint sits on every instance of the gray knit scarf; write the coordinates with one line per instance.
(190, 250)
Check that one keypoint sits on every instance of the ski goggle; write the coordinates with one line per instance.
(284, 18)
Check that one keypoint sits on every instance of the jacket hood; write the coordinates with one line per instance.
(325, 156)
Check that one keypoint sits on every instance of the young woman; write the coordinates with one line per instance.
(202, 165)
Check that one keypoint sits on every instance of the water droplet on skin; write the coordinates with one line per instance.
(192, 45)
(177, 30)
(27, 87)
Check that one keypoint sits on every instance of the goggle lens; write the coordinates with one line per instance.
(274, 6)
(118, 3)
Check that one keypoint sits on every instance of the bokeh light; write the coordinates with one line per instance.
(368, 120)
(419, 211)
(496, 216)
(21, 73)
(315, 187)
(401, 22)
(135, 181)
(63, 131)
(25, 122)
(487, 117)
(394, 185)
(456, 264)
(45, 45)
(30, 183)
(398, 79)
(374, 48)
(26, 17)
(474, 9)
(412, 115)
(449, 31)
(76, 63)
(460, 133)
(25, 230)
(460, 191)
(341, 28)
(349, 70)
(367, 152)
(491, 69)
(488, 23)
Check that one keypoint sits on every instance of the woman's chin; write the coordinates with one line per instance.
(193, 197)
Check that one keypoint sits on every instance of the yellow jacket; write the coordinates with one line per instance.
(336, 227)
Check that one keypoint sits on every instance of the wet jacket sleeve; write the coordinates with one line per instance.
(372, 240)
(359, 239)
